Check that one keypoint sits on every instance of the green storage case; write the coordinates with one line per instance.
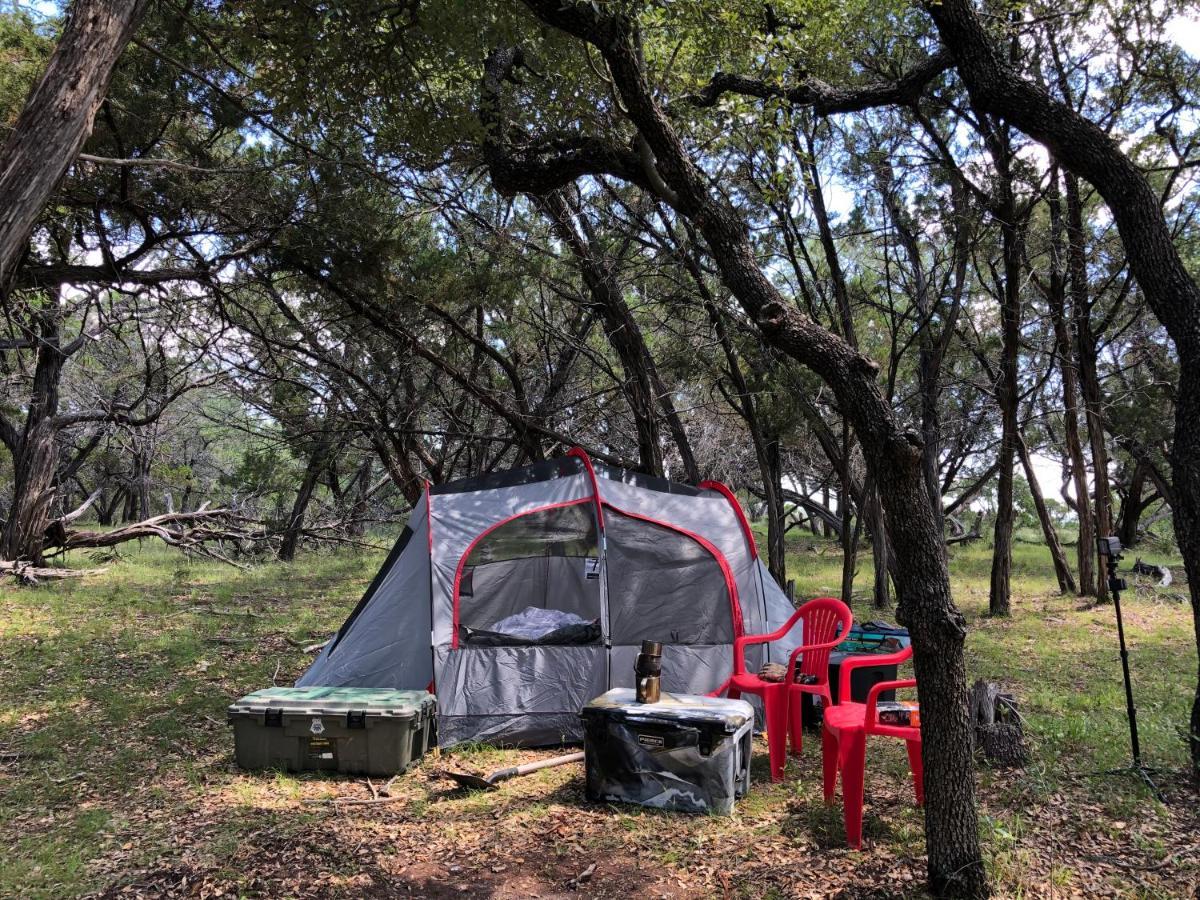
(357, 731)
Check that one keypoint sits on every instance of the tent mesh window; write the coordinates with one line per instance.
(663, 585)
(533, 580)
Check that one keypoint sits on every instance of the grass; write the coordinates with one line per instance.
(117, 770)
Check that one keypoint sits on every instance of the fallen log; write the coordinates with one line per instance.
(29, 574)
(218, 534)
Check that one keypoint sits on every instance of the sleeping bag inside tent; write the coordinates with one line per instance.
(521, 595)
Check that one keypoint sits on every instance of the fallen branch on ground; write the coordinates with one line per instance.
(306, 648)
(352, 801)
(204, 531)
(29, 574)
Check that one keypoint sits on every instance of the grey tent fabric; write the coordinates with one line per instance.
(664, 586)
(642, 558)
(386, 645)
(778, 610)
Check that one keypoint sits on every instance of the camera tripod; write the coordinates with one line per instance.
(1110, 555)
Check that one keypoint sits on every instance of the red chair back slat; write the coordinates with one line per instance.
(822, 618)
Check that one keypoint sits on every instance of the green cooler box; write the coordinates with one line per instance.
(358, 731)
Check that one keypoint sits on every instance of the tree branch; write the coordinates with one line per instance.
(825, 98)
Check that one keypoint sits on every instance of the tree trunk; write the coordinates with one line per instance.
(1170, 290)
(57, 118)
(623, 333)
(308, 484)
(881, 598)
(1132, 507)
(1086, 357)
(938, 630)
(826, 528)
(932, 346)
(769, 468)
(104, 509)
(1064, 344)
(35, 458)
(1062, 571)
(356, 526)
(849, 536)
(776, 516)
(999, 144)
(881, 589)
(143, 459)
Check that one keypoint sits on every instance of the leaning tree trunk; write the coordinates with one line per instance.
(33, 494)
(955, 864)
(1089, 378)
(304, 494)
(58, 117)
(35, 459)
(621, 328)
(1062, 571)
(769, 468)
(1171, 291)
(1064, 347)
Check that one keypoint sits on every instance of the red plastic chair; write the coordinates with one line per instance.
(844, 740)
(821, 618)
(827, 622)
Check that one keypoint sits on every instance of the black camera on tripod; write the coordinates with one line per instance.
(1109, 549)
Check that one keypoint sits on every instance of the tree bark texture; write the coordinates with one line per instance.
(1007, 389)
(57, 118)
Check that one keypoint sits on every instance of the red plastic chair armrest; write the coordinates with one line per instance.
(877, 689)
(740, 644)
(850, 663)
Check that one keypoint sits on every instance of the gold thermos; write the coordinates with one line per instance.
(647, 671)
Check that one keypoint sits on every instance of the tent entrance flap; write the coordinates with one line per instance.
(665, 584)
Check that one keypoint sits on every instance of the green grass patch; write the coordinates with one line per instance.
(117, 756)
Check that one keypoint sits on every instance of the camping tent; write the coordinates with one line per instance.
(604, 557)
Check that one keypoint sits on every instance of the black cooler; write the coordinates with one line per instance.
(685, 752)
(863, 640)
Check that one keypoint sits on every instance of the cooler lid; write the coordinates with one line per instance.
(686, 709)
(335, 700)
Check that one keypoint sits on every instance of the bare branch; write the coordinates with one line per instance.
(825, 98)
